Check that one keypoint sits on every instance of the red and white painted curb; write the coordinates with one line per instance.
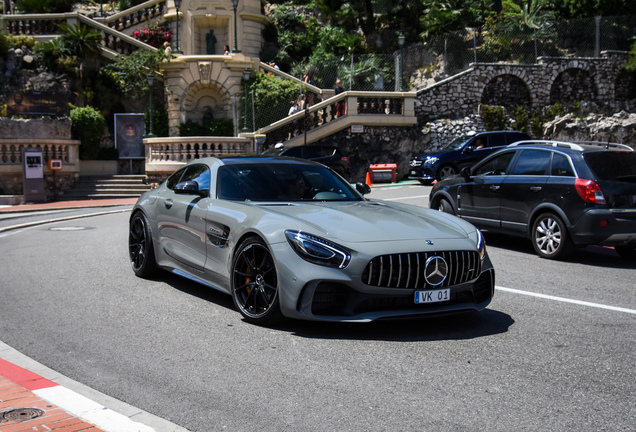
(70, 401)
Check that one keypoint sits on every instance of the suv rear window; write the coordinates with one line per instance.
(612, 165)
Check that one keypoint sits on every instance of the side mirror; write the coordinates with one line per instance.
(189, 188)
(363, 188)
(465, 172)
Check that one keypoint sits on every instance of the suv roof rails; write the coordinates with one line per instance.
(550, 143)
(573, 145)
(606, 145)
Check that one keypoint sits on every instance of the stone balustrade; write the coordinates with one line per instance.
(46, 27)
(12, 165)
(370, 108)
(164, 155)
(135, 15)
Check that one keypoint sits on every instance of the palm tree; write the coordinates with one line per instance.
(81, 41)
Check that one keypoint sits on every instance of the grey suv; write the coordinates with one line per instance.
(558, 194)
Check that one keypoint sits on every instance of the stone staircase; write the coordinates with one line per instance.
(111, 187)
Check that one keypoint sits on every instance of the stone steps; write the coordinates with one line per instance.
(118, 186)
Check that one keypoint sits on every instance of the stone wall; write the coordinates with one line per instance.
(602, 82)
(42, 128)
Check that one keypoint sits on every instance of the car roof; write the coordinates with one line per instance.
(579, 146)
(233, 160)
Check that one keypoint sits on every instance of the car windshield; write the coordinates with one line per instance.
(273, 151)
(281, 182)
(457, 143)
(612, 165)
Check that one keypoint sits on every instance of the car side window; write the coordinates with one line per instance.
(533, 162)
(174, 179)
(495, 166)
(197, 173)
(496, 140)
(561, 166)
(294, 152)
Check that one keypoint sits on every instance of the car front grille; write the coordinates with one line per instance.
(406, 270)
(415, 163)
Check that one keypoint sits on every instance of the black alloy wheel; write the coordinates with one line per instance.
(444, 206)
(550, 237)
(255, 283)
(140, 247)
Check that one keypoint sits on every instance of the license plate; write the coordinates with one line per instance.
(434, 296)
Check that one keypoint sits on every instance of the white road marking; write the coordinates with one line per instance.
(567, 300)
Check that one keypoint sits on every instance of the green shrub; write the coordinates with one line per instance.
(521, 119)
(576, 109)
(21, 40)
(87, 125)
(554, 111)
(493, 117)
(159, 122)
(4, 45)
(215, 127)
(537, 124)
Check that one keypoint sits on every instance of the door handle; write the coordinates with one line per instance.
(535, 188)
(168, 203)
(494, 188)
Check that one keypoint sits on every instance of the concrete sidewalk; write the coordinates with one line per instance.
(62, 205)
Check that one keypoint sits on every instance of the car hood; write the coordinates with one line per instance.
(367, 221)
(436, 153)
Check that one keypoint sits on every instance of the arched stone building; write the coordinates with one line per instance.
(602, 81)
(202, 80)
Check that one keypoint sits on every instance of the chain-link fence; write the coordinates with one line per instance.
(521, 43)
(428, 62)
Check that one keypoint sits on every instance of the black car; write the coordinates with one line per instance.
(463, 151)
(330, 156)
(558, 194)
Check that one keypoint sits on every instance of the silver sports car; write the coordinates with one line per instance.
(291, 238)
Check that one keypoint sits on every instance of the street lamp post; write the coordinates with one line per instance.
(401, 44)
(177, 4)
(151, 79)
(235, 5)
(246, 77)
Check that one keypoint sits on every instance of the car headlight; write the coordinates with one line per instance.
(317, 250)
(481, 245)
(430, 160)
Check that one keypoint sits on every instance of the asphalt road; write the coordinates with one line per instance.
(555, 354)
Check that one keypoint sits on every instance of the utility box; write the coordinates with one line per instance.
(382, 173)
(33, 175)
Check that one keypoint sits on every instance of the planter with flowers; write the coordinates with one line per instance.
(153, 36)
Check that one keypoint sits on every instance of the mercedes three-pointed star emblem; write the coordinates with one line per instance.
(436, 270)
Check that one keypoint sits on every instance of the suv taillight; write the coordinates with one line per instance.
(590, 191)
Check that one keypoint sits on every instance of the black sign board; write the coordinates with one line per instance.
(36, 103)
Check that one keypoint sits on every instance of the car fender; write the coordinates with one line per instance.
(542, 208)
(434, 200)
